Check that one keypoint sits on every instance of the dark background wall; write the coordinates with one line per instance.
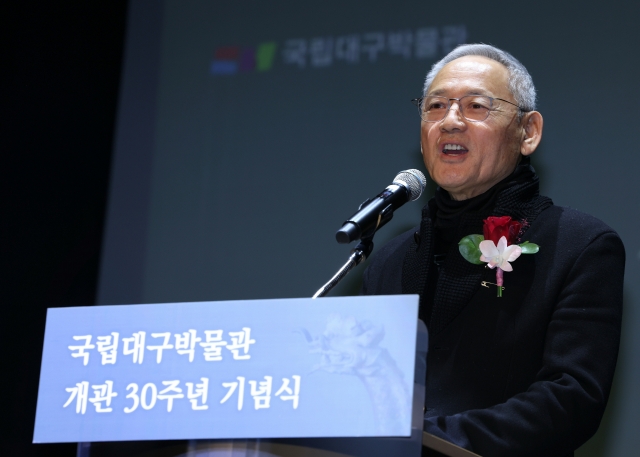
(61, 71)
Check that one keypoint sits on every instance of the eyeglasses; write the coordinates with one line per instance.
(474, 108)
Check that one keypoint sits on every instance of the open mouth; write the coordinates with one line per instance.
(453, 149)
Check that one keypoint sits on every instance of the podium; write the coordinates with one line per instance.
(432, 447)
(262, 378)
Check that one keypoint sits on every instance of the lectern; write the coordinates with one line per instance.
(333, 377)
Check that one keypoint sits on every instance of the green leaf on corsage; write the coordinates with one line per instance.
(469, 247)
(529, 248)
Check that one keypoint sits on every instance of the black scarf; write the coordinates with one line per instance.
(516, 196)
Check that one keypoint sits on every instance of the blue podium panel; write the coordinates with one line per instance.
(331, 367)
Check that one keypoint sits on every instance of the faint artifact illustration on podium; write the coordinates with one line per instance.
(351, 347)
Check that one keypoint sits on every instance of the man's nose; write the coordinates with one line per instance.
(453, 119)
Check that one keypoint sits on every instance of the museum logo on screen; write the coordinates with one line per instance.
(323, 52)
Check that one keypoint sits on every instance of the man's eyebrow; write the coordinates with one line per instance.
(440, 92)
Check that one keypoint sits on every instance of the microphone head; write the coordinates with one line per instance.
(412, 180)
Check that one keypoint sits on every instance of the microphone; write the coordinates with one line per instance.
(374, 213)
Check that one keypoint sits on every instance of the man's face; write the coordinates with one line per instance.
(490, 149)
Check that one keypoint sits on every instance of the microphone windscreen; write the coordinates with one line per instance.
(413, 180)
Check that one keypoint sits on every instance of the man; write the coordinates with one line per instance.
(527, 373)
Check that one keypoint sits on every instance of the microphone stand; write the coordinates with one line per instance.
(358, 254)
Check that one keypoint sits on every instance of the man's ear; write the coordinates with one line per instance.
(532, 132)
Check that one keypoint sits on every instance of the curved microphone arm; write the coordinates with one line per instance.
(358, 254)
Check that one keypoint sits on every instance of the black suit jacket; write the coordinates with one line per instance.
(527, 374)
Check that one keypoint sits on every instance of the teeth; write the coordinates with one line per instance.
(452, 147)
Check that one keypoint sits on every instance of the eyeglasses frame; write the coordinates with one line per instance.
(418, 101)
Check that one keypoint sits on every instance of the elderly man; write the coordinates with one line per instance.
(522, 348)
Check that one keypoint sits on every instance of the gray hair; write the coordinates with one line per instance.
(520, 82)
